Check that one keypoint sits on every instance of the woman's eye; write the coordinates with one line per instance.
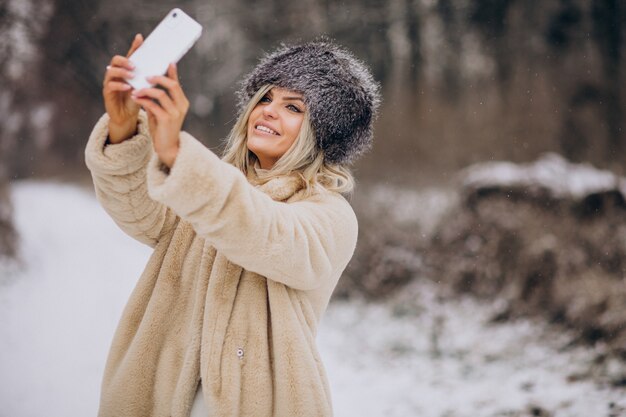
(293, 108)
(265, 99)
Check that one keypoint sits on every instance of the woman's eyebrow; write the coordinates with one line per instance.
(293, 98)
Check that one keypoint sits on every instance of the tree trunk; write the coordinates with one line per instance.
(8, 235)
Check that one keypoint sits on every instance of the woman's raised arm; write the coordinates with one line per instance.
(304, 244)
(119, 177)
(117, 154)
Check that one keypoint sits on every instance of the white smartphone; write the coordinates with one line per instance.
(167, 43)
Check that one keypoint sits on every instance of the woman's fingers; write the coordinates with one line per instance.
(117, 73)
(163, 81)
(121, 68)
(166, 106)
(137, 41)
(122, 61)
(151, 107)
(172, 84)
(181, 99)
(116, 86)
(164, 100)
(172, 72)
(172, 87)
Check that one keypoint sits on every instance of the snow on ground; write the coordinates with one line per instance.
(429, 357)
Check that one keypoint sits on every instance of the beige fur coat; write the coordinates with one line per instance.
(233, 292)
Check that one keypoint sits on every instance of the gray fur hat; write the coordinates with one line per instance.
(339, 91)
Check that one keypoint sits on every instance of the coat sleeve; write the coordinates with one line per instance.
(119, 176)
(301, 244)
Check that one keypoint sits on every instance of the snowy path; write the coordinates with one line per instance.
(432, 359)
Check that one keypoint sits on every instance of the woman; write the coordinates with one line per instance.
(247, 249)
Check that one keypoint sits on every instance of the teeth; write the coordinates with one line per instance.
(266, 129)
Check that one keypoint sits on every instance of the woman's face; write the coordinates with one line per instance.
(274, 124)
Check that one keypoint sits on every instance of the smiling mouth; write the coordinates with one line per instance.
(266, 129)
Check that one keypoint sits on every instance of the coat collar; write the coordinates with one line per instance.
(279, 188)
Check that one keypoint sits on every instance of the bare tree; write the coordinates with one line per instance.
(22, 119)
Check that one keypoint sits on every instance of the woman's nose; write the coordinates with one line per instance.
(270, 110)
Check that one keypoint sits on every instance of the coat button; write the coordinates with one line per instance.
(240, 353)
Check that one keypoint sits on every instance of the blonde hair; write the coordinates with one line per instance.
(304, 158)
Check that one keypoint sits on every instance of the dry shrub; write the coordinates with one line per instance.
(545, 249)
(386, 259)
(394, 226)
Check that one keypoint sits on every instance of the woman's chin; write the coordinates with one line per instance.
(261, 145)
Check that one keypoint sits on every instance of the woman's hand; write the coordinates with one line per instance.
(122, 110)
(167, 107)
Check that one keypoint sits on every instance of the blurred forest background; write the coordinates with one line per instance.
(464, 82)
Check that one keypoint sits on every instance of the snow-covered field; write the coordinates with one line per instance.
(426, 357)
